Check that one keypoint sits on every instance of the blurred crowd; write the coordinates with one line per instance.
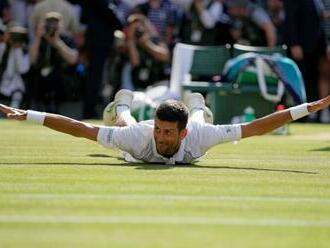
(52, 51)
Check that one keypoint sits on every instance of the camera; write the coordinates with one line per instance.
(52, 23)
(17, 35)
(140, 22)
(51, 27)
(139, 31)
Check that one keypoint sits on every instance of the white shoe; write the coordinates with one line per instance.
(122, 98)
(196, 101)
(325, 116)
(208, 115)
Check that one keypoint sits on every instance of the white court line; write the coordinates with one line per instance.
(72, 196)
(165, 220)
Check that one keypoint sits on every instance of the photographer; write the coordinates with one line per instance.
(13, 63)
(147, 52)
(50, 53)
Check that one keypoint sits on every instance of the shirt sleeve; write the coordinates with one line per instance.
(22, 61)
(259, 16)
(130, 139)
(210, 16)
(105, 137)
(211, 135)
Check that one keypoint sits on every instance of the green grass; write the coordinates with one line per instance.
(60, 191)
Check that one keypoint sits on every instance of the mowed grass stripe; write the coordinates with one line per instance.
(164, 220)
(59, 191)
(134, 197)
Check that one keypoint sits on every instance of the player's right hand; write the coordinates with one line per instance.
(318, 105)
(13, 113)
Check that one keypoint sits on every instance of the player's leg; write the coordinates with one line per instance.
(197, 109)
(117, 113)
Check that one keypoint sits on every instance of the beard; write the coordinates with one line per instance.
(167, 150)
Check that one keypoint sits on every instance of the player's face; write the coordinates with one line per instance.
(168, 137)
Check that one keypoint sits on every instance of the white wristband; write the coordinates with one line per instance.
(36, 117)
(299, 111)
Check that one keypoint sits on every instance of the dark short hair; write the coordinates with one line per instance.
(173, 111)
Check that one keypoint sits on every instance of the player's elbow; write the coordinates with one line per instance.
(84, 130)
(77, 129)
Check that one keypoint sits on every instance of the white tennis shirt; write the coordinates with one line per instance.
(139, 142)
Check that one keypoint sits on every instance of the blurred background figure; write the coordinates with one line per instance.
(182, 4)
(199, 22)
(69, 20)
(102, 47)
(5, 13)
(134, 3)
(14, 62)
(147, 51)
(162, 14)
(251, 24)
(50, 53)
(275, 10)
(101, 22)
(306, 39)
(324, 80)
(21, 11)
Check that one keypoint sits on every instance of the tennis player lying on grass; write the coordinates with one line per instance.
(170, 138)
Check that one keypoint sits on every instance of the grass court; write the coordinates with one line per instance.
(61, 191)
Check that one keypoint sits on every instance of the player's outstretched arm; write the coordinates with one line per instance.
(277, 119)
(57, 122)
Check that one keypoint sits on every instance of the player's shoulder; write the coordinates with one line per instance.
(195, 126)
(199, 130)
(143, 128)
(146, 123)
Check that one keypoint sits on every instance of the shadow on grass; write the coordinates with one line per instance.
(101, 156)
(166, 167)
(324, 149)
(160, 166)
(258, 169)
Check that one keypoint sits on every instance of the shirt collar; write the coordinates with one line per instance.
(180, 153)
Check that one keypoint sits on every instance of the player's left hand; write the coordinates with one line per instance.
(318, 105)
(13, 113)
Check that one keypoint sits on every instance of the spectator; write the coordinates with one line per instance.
(252, 24)
(70, 21)
(182, 4)
(50, 53)
(134, 3)
(147, 52)
(162, 14)
(275, 10)
(123, 11)
(21, 11)
(324, 81)
(14, 63)
(305, 35)
(199, 22)
(102, 21)
(5, 11)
